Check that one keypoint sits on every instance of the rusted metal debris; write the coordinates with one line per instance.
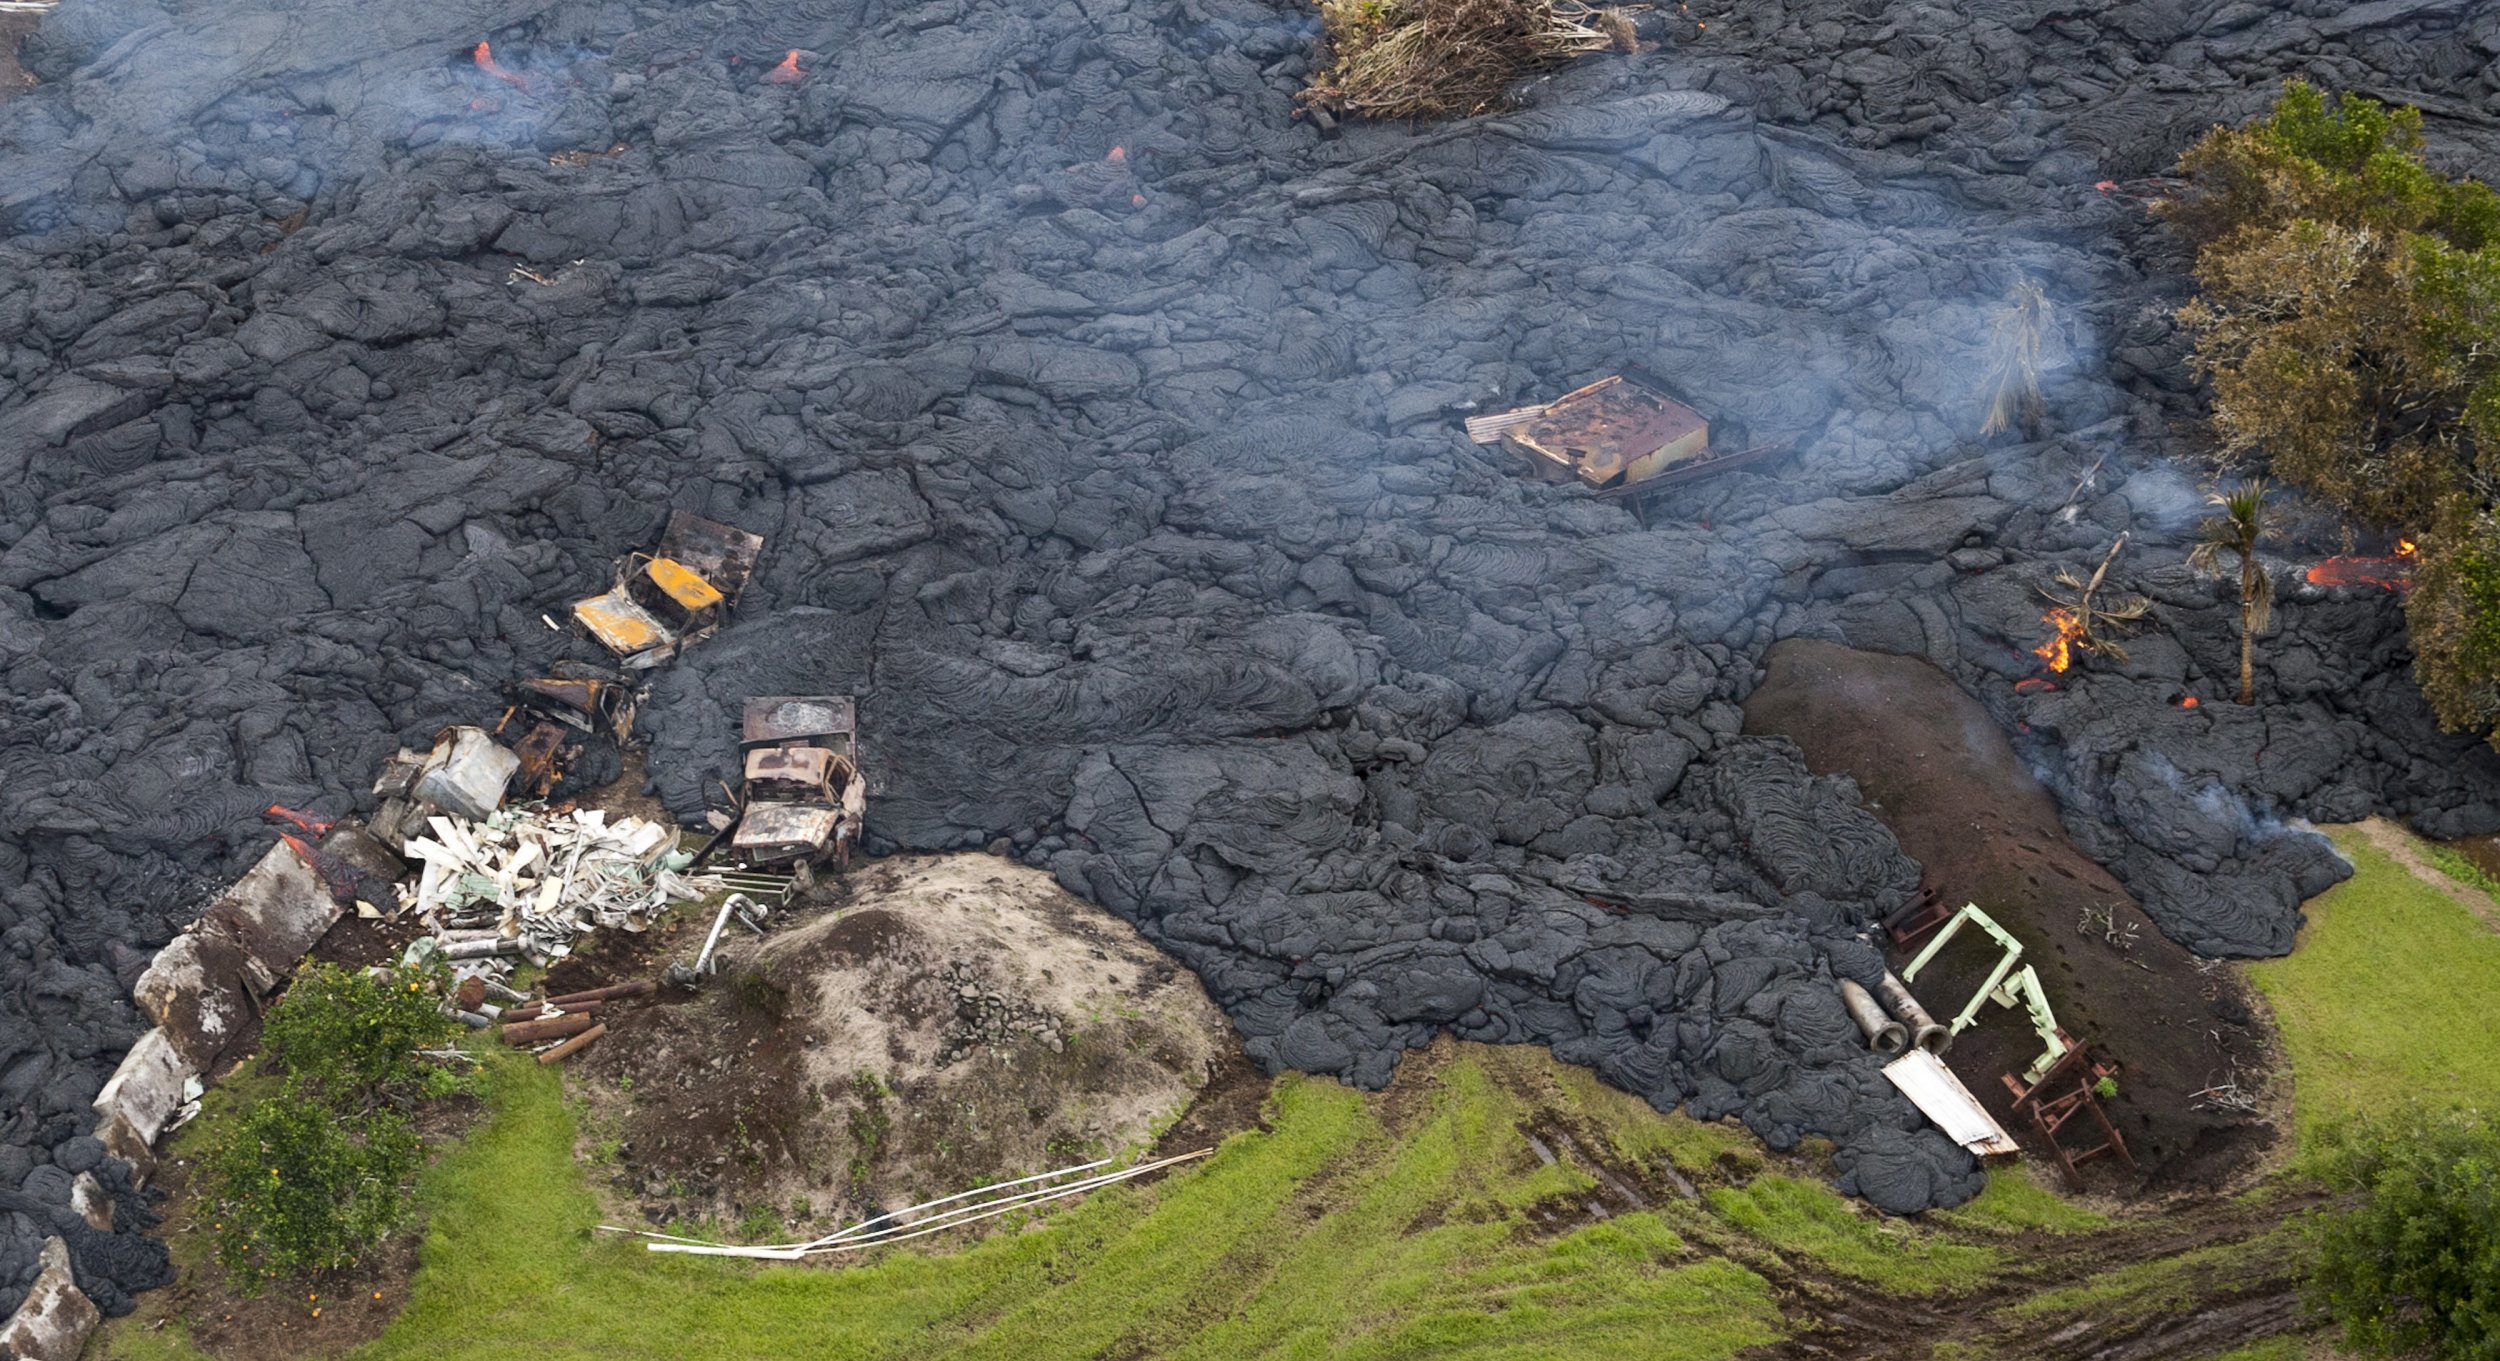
(557, 716)
(1610, 432)
(804, 798)
(574, 1045)
(542, 753)
(827, 720)
(2069, 1091)
(667, 601)
(1617, 436)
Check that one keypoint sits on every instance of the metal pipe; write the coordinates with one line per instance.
(1884, 1035)
(520, 1034)
(642, 987)
(1924, 1032)
(703, 961)
(573, 1046)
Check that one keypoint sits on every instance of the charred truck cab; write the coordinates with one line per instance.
(805, 798)
(667, 601)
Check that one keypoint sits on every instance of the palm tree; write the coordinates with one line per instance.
(2236, 531)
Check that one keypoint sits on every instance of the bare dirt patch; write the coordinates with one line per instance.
(1938, 771)
(958, 1020)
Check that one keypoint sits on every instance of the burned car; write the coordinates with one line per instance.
(666, 601)
(804, 797)
(563, 717)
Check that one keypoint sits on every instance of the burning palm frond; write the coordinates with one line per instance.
(2083, 619)
(1449, 58)
(2015, 336)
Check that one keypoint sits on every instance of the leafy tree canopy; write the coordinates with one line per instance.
(2348, 320)
(2413, 1265)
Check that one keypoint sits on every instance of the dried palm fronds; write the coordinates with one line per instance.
(2015, 335)
(1449, 58)
(2088, 621)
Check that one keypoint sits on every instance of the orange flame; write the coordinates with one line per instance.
(2188, 701)
(2407, 548)
(788, 72)
(486, 62)
(2058, 652)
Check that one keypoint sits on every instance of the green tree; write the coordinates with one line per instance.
(297, 1189)
(2414, 1266)
(2348, 322)
(351, 1037)
(307, 1179)
(2236, 532)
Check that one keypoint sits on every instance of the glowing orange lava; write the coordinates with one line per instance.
(2188, 701)
(788, 72)
(2394, 573)
(486, 62)
(2058, 652)
(302, 822)
(2033, 685)
(1118, 156)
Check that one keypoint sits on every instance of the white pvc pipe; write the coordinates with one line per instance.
(861, 1236)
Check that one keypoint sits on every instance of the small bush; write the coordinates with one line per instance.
(2416, 1266)
(352, 1038)
(1448, 58)
(299, 1190)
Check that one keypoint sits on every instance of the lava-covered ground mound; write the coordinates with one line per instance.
(1099, 415)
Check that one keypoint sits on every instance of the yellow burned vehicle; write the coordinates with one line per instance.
(667, 601)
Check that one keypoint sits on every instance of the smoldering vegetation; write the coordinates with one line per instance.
(1101, 420)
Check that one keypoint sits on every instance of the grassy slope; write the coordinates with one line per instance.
(1378, 1227)
(1333, 1234)
(2386, 998)
(2379, 1004)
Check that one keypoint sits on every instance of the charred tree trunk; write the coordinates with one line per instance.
(2248, 632)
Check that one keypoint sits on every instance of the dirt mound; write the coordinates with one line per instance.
(961, 1019)
(1953, 790)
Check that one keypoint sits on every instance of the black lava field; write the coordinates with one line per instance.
(1126, 489)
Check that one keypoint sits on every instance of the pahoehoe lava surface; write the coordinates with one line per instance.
(1124, 491)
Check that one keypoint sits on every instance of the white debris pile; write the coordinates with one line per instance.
(526, 883)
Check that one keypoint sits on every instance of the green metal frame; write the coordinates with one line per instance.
(2005, 986)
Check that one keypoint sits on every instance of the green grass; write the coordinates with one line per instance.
(2452, 862)
(2283, 1347)
(2015, 1202)
(2386, 998)
(2170, 1285)
(1639, 1135)
(1333, 1234)
(1802, 1220)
